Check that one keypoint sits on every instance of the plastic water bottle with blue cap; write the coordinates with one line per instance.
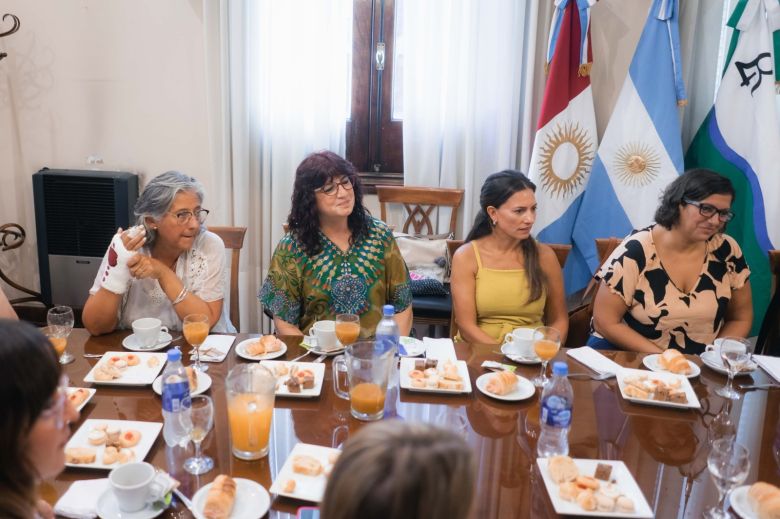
(176, 402)
(555, 413)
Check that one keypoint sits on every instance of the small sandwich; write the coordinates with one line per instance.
(674, 361)
(562, 469)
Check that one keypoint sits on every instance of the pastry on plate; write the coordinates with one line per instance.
(220, 498)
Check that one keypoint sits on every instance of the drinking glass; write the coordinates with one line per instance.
(735, 353)
(60, 321)
(202, 414)
(196, 329)
(367, 365)
(729, 464)
(547, 342)
(347, 328)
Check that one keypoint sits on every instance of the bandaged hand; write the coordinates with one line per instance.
(117, 276)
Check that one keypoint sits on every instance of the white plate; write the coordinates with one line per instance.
(89, 390)
(407, 365)
(204, 383)
(108, 508)
(414, 347)
(131, 342)
(139, 375)
(525, 388)
(623, 479)
(307, 488)
(741, 504)
(149, 432)
(318, 368)
(310, 343)
(241, 350)
(712, 361)
(652, 363)
(693, 401)
(252, 500)
(519, 359)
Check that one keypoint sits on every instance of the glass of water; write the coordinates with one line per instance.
(202, 414)
(729, 464)
(735, 353)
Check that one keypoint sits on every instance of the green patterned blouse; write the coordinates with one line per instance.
(302, 289)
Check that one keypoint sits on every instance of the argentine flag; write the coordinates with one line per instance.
(641, 150)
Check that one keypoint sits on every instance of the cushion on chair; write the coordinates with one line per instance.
(432, 306)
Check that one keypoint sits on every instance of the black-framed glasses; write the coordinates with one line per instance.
(331, 188)
(182, 217)
(707, 210)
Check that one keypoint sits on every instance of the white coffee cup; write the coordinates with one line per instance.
(147, 331)
(325, 333)
(520, 343)
(736, 342)
(136, 484)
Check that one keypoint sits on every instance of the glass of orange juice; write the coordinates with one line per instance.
(196, 329)
(347, 328)
(60, 321)
(367, 365)
(250, 397)
(547, 342)
(58, 343)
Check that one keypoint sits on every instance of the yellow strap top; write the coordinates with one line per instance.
(502, 300)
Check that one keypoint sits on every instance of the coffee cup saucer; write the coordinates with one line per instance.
(131, 342)
(108, 508)
(518, 358)
(310, 343)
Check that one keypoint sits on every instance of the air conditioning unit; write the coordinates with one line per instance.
(76, 215)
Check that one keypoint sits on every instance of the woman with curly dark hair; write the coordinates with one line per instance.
(36, 416)
(336, 258)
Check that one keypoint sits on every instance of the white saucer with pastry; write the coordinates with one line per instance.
(672, 361)
(505, 385)
(261, 348)
(233, 498)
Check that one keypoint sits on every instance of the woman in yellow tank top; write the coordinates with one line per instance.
(502, 278)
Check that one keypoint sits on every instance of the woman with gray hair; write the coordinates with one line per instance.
(168, 266)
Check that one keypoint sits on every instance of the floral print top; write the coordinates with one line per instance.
(302, 289)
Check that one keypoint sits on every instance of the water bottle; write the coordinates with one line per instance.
(555, 413)
(387, 330)
(176, 401)
(388, 335)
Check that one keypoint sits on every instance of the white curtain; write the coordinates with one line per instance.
(468, 91)
(278, 76)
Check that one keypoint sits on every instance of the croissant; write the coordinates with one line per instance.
(501, 383)
(219, 501)
(674, 361)
(765, 499)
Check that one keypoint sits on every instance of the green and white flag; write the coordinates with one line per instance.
(740, 138)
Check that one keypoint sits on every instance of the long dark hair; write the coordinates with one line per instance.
(29, 374)
(496, 190)
(304, 221)
(695, 184)
(398, 470)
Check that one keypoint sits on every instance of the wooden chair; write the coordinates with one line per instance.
(419, 203)
(561, 252)
(579, 318)
(768, 342)
(234, 241)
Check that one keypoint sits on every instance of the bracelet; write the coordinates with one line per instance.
(181, 296)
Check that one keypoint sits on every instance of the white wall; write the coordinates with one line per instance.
(123, 80)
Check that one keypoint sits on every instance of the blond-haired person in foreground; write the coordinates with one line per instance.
(401, 470)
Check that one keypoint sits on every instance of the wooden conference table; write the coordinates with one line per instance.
(665, 449)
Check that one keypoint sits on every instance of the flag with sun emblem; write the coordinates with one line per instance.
(641, 150)
(565, 142)
(740, 139)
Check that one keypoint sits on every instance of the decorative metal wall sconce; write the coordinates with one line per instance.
(14, 28)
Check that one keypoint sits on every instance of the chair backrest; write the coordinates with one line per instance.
(234, 241)
(561, 252)
(419, 203)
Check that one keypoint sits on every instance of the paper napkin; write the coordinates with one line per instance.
(80, 500)
(218, 347)
(441, 349)
(594, 360)
(770, 364)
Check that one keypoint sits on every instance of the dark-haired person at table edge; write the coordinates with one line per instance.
(679, 283)
(167, 267)
(336, 258)
(502, 278)
(36, 417)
